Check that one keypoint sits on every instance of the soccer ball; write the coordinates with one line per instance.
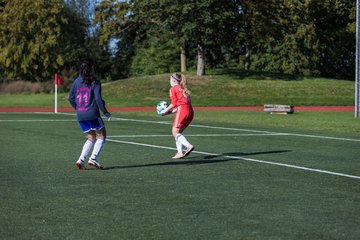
(161, 106)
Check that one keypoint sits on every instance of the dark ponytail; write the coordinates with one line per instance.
(87, 70)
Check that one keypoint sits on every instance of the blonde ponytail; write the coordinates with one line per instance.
(183, 84)
(181, 80)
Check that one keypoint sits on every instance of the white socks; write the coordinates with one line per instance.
(179, 146)
(97, 148)
(180, 141)
(87, 147)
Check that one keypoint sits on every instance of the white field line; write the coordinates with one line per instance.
(243, 130)
(244, 159)
(195, 135)
(39, 120)
(22, 113)
(280, 133)
(220, 128)
(226, 156)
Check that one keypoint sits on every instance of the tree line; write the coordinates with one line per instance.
(138, 37)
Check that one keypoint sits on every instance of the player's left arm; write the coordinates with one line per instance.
(72, 97)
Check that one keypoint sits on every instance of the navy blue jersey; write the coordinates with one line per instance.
(86, 100)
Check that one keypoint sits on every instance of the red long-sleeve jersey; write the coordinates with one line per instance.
(184, 111)
(177, 98)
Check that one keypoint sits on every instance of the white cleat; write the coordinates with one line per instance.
(80, 164)
(95, 163)
(188, 150)
(178, 156)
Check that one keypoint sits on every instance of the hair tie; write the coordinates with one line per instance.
(175, 77)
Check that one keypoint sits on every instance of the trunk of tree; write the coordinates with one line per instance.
(200, 61)
(247, 63)
(183, 56)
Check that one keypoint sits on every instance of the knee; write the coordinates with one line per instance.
(91, 136)
(101, 134)
(175, 132)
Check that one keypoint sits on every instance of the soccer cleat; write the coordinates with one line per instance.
(80, 164)
(188, 150)
(95, 163)
(178, 156)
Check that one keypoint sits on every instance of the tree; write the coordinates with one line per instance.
(113, 16)
(85, 9)
(2, 5)
(116, 34)
(260, 21)
(294, 48)
(37, 37)
(205, 23)
(155, 56)
(300, 37)
(336, 36)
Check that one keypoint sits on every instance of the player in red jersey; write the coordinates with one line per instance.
(181, 105)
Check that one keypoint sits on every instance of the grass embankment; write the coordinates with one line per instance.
(217, 88)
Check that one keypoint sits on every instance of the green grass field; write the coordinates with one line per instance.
(252, 176)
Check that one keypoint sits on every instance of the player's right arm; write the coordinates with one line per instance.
(99, 101)
(172, 107)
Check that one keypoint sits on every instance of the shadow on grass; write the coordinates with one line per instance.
(243, 154)
(199, 160)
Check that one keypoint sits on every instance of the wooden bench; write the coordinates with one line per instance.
(278, 109)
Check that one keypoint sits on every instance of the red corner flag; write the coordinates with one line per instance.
(58, 80)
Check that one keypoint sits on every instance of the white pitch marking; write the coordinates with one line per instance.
(279, 133)
(245, 130)
(38, 120)
(231, 157)
(232, 129)
(195, 135)
(244, 159)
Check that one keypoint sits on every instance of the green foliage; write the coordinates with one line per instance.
(34, 35)
(308, 37)
(113, 17)
(116, 30)
(336, 38)
(314, 38)
(169, 20)
(156, 57)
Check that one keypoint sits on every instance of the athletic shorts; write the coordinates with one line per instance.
(94, 124)
(184, 116)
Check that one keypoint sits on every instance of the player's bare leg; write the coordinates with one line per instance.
(91, 138)
(100, 137)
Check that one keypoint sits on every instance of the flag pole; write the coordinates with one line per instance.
(58, 81)
(357, 62)
(56, 103)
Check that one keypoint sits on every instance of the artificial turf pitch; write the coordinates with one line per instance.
(239, 183)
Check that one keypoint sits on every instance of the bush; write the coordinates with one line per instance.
(22, 86)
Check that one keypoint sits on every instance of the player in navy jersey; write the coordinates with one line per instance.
(85, 97)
